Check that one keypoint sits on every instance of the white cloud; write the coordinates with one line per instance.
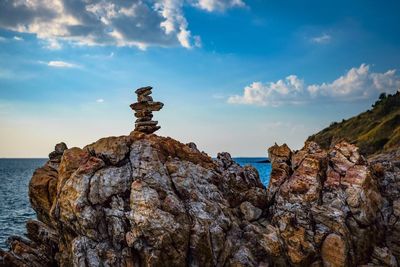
(123, 23)
(322, 39)
(218, 5)
(61, 64)
(289, 89)
(17, 38)
(357, 83)
(100, 100)
(175, 22)
(52, 44)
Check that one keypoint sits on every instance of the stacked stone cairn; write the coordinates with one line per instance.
(144, 108)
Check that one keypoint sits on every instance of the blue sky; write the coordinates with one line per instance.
(234, 75)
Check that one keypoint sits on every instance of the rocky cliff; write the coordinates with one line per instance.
(146, 200)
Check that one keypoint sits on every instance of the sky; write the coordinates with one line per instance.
(234, 75)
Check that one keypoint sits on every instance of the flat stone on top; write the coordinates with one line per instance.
(144, 90)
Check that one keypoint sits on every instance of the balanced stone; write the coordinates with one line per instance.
(147, 129)
(144, 98)
(147, 106)
(144, 91)
(143, 111)
(143, 119)
(141, 114)
(146, 123)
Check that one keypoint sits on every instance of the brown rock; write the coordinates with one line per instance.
(112, 149)
(281, 167)
(324, 193)
(143, 111)
(145, 200)
(147, 129)
(332, 178)
(396, 208)
(299, 249)
(71, 160)
(56, 155)
(383, 257)
(306, 180)
(142, 119)
(146, 123)
(250, 212)
(143, 91)
(334, 251)
(147, 106)
(355, 175)
(143, 114)
(144, 98)
(43, 191)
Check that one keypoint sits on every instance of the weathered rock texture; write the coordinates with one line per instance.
(145, 200)
(144, 108)
(331, 208)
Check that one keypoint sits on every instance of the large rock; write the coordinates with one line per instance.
(145, 200)
(387, 168)
(328, 206)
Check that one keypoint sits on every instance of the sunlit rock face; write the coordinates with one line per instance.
(145, 200)
(328, 207)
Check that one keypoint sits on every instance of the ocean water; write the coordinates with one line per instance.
(264, 169)
(15, 208)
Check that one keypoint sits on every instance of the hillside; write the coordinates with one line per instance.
(374, 131)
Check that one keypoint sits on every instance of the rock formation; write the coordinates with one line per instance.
(142, 200)
(333, 208)
(144, 108)
(146, 200)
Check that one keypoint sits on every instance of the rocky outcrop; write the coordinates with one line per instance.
(327, 206)
(387, 168)
(146, 200)
(143, 200)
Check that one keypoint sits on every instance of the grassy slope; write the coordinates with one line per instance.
(374, 131)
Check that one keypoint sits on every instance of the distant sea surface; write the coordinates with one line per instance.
(264, 169)
(15, 208)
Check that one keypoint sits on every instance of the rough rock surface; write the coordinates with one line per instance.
(331, 208)
(145, 200)
(142, 200)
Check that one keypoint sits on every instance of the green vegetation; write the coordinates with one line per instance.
(374, 131)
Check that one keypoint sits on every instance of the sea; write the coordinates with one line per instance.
(15, 208)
